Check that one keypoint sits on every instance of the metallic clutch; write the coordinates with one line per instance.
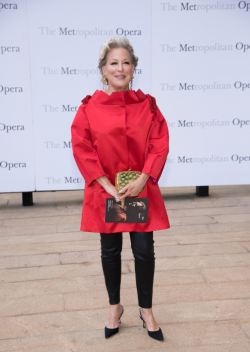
(122, 178)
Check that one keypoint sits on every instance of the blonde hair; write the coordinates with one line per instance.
(114, 43)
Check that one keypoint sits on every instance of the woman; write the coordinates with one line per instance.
(115, 130)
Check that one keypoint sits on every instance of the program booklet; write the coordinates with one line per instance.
(133, 210)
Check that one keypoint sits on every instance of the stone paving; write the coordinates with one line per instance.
(53, 296)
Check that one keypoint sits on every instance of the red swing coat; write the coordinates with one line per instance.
(114, 133)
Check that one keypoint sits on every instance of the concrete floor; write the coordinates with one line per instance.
(52, 291)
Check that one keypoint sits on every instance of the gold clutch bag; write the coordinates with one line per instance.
(122, 178)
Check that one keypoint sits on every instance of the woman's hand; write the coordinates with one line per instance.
(109, 188)
(133, 189)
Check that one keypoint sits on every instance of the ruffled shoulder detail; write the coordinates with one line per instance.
(86, 99)
(152, 103)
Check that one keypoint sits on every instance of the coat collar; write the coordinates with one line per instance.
(119, 98)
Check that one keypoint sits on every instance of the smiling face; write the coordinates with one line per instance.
(118, 69)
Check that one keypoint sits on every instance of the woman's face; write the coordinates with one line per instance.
(118, 69)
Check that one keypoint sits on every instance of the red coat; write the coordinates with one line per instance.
(114, 133)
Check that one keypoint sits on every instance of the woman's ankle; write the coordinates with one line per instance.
(114, 308)
(146, 311)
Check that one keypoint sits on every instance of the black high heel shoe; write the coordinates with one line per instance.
(157, 335)
(110, 332)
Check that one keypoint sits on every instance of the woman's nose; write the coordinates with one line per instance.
(120, 67)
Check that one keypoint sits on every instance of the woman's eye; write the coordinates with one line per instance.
(115, 63)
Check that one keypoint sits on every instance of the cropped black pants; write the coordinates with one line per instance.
(142, 245)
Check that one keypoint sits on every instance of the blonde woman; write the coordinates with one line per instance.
(114, 130)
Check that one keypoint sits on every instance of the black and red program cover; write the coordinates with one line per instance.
(131, 210)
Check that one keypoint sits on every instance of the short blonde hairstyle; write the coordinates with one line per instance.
(114, 43)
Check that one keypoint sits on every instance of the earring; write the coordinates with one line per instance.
(105, 82)
(131, 83)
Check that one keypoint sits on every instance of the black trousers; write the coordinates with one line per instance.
(142, 245)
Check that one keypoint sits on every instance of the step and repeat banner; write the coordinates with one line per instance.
(201, 78)
(193, 57)
(17, 171)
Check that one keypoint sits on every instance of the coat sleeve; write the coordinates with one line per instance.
(85, 154)
(158, 147)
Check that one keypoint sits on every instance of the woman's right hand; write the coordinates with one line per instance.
(109, 188)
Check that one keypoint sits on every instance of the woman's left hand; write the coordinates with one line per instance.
(133, 189)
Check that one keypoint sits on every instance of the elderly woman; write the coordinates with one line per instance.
(114, 130)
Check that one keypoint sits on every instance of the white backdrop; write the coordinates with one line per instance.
(16, 136)
(196, 72)
(194, 58)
